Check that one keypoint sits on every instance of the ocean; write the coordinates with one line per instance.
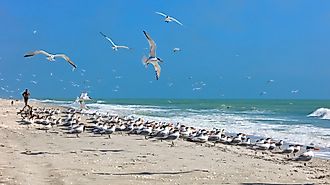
(294, 121)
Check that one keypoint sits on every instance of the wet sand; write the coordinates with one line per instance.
(29, 155)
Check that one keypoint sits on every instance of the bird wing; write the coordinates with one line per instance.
(106, 37)
(157, 69)
(145, 61)
(162, 14)
(30, 54)
(126, 47)
(66, 58)
(176, 21)
(152, 45)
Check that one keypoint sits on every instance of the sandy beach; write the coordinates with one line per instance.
(30, 155)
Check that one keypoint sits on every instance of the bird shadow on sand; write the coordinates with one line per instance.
(20, 122)
(151, 173)
(103, 150)
(276, 184)
(37, 153)
(97, 135)
(71, 136)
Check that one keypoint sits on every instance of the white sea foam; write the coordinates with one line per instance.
(125, 109)
(51, 101)
(323, 154)
(322, 113)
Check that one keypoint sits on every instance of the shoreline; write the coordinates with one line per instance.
(320, 155)
(31, 155)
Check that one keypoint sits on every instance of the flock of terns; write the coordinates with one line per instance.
(106, 124)
(152, 59)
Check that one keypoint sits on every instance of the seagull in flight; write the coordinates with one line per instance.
(34, 82)
(294, 91)
(152, 56)
(176, 49)
(270, 81)
(114, 46)
(51, 57)
(168, 18)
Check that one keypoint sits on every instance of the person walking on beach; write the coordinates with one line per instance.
(26, 95)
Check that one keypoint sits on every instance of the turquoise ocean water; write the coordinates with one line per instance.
(289, 120)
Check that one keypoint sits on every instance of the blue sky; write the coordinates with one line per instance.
(230, 49)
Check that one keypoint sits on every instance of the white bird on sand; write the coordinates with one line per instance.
(279, 144)
(28, 121)
(51, 57)
(110, 130)
(308, 155)
(288, 150)
(296, 149)
(173, 136)
(216, 136)
(114, 46)
(201, 138)
(168, 18)
(152, 56)
(247, 142)
(77, 129)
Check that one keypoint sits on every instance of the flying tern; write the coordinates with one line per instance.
(152, 56)
(169, 18)
(114, 46)
(51, 57)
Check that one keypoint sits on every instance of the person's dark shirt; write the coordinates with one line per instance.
(26, 94)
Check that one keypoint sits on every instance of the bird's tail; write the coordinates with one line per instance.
(144, 61)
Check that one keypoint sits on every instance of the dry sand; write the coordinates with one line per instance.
(32, 156)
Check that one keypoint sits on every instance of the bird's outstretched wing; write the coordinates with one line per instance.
(162, 14)
(157, 69)
(125, 47)
(152, 45)
(106, 37)
(66, 58)
(30, 54)
(176, 21)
